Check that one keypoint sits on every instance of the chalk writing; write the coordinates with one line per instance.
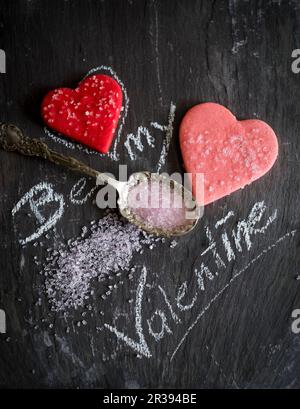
(169, 133)
(164, 325)
(141, 345)
(236, 31)
(202, 274)
(137, 141)
(37, 197)
(173, 314)
(224, 219)
(182, 291)
(156, 43)
(235, 277)
(58, 138)
(245, 231)
(159, 323)
(77, 190)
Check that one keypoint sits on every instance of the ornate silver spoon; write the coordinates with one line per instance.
(13, 139)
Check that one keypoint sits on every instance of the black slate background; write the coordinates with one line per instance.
(234, 52)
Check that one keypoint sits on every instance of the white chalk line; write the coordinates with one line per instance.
(137, 141)
(48, 197)
(73, 194)
(224, 219)
(235, 276)
(59, 138)
(140, 346)
(157, 57)
(168, 138)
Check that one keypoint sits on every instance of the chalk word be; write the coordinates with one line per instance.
(38, 198)
(221, 252)
(2, 62)
(2, 322)
(296, 322)
(43, 195)
(296, 63)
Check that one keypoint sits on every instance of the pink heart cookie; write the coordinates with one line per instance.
(229, 153)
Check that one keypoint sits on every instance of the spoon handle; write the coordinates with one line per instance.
(13, 139)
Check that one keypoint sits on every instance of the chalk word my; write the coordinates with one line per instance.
(296, 322)
(2, 62)
(296, 63)
(135, 140)
(222, 251)
(2, 322)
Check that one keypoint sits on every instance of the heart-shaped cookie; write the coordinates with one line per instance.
(88, 114)
(229, 153)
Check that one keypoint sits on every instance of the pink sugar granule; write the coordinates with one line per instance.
(158, 205)
(107, 247)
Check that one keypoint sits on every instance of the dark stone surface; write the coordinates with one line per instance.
(237, 53)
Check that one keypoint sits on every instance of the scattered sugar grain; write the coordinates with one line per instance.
(107, 249)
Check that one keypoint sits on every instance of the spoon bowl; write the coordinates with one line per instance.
(188, 208)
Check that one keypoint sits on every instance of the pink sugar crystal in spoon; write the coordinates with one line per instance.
(157, 205)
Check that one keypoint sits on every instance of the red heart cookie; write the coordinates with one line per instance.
(89, 114)
(229, 153)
